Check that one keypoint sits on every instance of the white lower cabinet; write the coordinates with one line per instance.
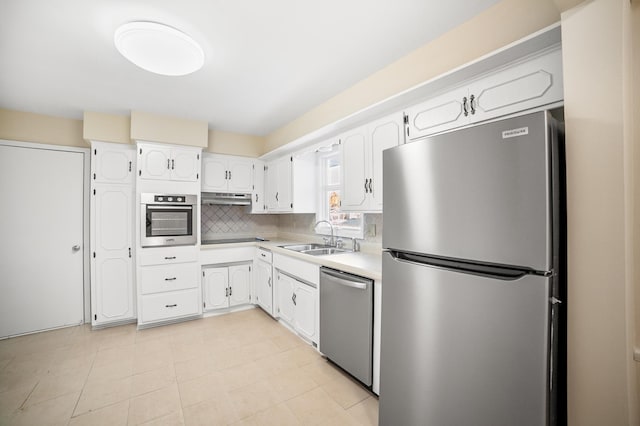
(298, 305)
(226, 286)
(168, 284)
(296, 291)
(263, 280)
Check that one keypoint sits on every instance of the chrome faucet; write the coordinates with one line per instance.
(332, 240)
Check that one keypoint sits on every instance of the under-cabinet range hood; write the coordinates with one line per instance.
(225, 199)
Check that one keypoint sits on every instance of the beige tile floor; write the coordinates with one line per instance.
(240, 369)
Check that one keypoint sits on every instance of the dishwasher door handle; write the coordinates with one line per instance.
(338, 279)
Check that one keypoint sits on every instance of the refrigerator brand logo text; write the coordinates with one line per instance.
(515, 132)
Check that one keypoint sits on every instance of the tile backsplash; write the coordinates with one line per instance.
(219, 222)
(236, 222)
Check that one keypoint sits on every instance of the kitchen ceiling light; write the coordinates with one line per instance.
(159, 48)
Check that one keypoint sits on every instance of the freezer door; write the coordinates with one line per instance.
(482, 194)
(462, 349)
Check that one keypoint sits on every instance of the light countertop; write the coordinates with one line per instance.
(368, 265)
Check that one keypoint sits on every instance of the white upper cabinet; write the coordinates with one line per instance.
(112, 163)
(528, 83)
(258, 202)
(224, 173)
(290, 185)
(279, 184)
(362, 162)
(174, 163)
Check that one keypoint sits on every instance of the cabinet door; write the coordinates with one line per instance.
(526, 85)
(285, 289)
(239, 285)
(214, 173)
(438, 114)
(112, 275)
(112, 163)
(185, 165)
(154, 162)
(215, 286)
(240, 175)
(258, 204)
(271, 186)
(383, 134)
(284, 184)
(305, 301)
(354, 177)
(264, 293)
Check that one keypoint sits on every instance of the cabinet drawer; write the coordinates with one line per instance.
(167, 255)
(156, 279)
(264, 255)
(164, 306)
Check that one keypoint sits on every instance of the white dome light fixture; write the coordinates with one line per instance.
(159, 48)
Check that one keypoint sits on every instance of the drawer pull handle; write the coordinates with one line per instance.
(170, 279)
(171, 306)
(169, 257)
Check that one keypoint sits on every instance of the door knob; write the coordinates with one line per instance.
(75, 248)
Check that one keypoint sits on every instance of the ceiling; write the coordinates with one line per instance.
(267, 62)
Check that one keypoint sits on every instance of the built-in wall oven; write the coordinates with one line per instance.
(168, 220)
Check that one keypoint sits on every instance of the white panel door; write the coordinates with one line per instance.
(239, 284)
(214, 173)
(305, 311)
(285, 308)
(385, 133)
(154, 162)
(284, 184)
(112, 262)
(264, 287)
(354, 173)
(258, 203)
(215, 287)
(185, 165)
(41, 256)
(438, 114)
(240, 175)
(112, 163)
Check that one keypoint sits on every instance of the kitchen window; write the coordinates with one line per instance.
(345, 224)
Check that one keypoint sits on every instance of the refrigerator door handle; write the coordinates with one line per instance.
(487, 270)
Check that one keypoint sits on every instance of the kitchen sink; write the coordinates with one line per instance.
(303, 247)
(314, 249)
(323, 251)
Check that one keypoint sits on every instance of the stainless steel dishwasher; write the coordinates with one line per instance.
(346, 322)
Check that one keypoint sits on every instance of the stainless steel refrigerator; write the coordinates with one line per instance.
(472, 277)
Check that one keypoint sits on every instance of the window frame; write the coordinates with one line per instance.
(323, 200)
